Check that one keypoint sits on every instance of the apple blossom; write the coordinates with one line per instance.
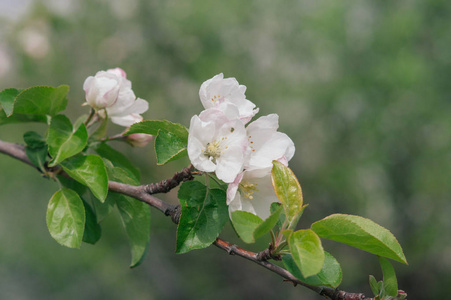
(267, 144)
(102, 90)
(253, 193)
(252, 190)
(218, 90)
(126, 111)
(217, 143)
(110, 93)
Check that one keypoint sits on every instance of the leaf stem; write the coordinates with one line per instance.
(91, 114)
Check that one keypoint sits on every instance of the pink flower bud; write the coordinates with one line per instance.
(139, 139)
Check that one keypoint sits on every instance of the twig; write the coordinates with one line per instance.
(166, 185)
(143, 193)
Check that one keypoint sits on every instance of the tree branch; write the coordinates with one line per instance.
(166, 185)
(143, 193)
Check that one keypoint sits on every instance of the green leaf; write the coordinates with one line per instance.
(90, 171)
(330, 275)
(374, 286)
(203, 215)
(65, 141)
(245, 224)
(101, 130)
(7, 100)
(381, 287)
(93, 231)
(169, 147)
(41, 100)
(21, 118)
(268, 224)
(33, 140)
(136, 218)
(275, 206)
(152, 127)
(289, 192)
(36, 149)
(390, 281)
(119, 174)
(135, 214)
(307, 251)
(361, 233)
(102, 209)
(117, 159)
(66, 218)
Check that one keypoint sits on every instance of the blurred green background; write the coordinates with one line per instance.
(362, 87)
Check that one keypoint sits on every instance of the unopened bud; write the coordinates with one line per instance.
(401, 295)
(139, 139)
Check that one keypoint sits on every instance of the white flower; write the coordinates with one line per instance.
(217, 142)
(126, 111)
(267, 144)
(252, 190)
(218, 90)
(110, 93)
(253, 193)
(102, 90)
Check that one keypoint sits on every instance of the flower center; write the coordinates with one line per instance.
(215, 98)
(213, 150)
(248, 189)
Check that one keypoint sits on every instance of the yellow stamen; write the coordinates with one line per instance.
(247, 189)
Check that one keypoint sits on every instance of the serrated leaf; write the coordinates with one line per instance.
(36, 149)
(275, 206)
(268, 224)
(203, 215)
(287, 233)
(21, 118)
(390, 281)
(381, 287)
(101, 210)
(169, 147)
(289, 192)
(90, 171)
(33, 139)
(245, 224)
(117, 159)
(66, 218)
(136, 219)
(65, 141)
(7, 97)
(101, 130)
(93, 231)
(37, 156)
(152, 127)
(41, 100)
(119, 174)
(374, 286)
(361, 233)
(307, 251)
(330, 275)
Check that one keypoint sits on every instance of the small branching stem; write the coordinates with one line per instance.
(144, 193)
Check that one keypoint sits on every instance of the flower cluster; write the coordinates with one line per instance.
(110, 94)
(240, 154)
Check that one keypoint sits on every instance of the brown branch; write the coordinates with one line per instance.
(143, 193)
(166, 185)
(16, 151)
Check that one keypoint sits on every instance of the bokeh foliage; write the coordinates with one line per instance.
(361, 87)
